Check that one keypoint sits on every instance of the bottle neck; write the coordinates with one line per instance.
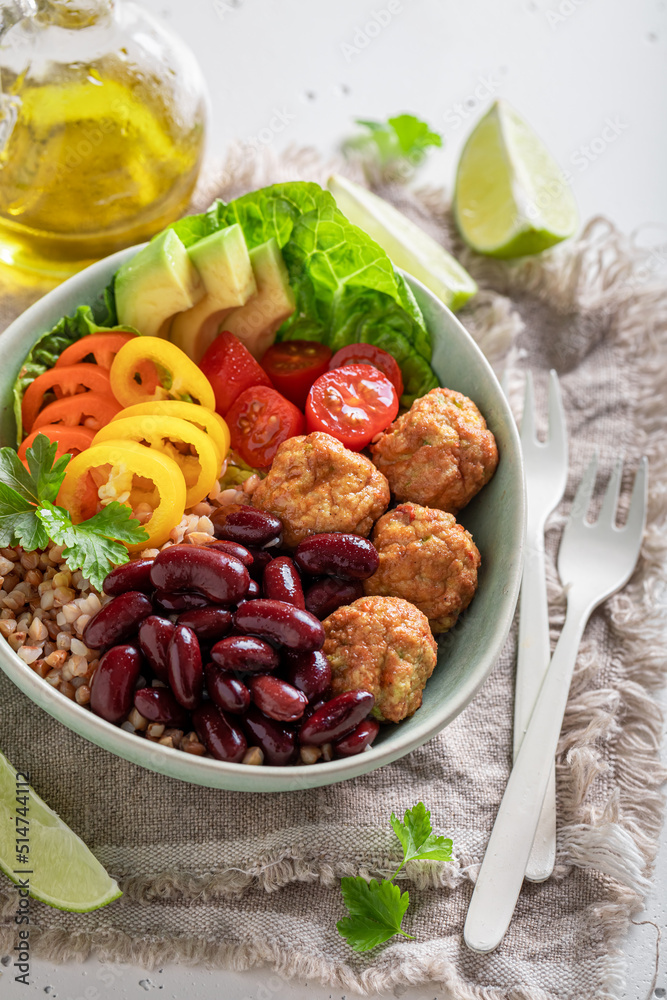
(73, 14)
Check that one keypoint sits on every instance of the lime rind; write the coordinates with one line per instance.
(64, 873)
(511, 199)
(406, 243)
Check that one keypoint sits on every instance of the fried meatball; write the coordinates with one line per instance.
(425, 558)
(382, 645)
(440, 453)
(316, 484)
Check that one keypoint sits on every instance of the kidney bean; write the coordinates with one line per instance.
(254, 591)
(246, 525)
(276, 698)
(112, 686)
(260, 560)
(349, 557)
(219, 734)
(159, 705)
(184, 667)
(135, 575)
(336, 718)
(117, 620)
(208, 624)
(178, 602)
(221, 578)
(281, 582)
(245, 653)
(227, 691)
(233, 549)
(326, 595)
(308, 672)
(280, 623)
(154, 636)
(357, 740)
(277, 741)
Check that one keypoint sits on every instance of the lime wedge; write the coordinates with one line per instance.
(511, 198)
(59, 868)
(406, 243)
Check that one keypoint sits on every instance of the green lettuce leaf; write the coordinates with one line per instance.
(48, 349)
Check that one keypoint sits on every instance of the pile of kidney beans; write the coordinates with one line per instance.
(234, 642)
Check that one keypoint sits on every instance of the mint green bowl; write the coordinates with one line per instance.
(495, 517)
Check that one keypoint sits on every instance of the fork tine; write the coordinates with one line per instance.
(585, 492)
(557, 425)
(637, 513)
(528, 432)
(610, 502)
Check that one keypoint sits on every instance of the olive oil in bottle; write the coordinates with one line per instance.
(105, 144)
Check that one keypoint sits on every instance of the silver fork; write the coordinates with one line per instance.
(545, 468)
(594, 561)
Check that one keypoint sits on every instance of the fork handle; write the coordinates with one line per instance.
(501, 874)
(533, 656)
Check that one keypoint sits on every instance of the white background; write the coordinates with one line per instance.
(588, 75)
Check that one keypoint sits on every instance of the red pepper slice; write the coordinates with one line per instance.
(93, 409)
(102, 347)
(70, 440)
(67, 381)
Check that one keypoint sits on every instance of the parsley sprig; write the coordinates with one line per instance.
(377, 908)
(29, 516)
(394, 148)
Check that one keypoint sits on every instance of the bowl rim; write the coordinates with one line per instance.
(204, 770)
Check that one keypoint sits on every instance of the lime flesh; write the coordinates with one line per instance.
(59, 868)
(510, 198)
(407, 244)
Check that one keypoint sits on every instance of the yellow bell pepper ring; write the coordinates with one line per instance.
(152, 369)
(149, 482)
(206, 420)
(192, 450)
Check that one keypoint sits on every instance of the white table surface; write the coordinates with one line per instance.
(589, 75)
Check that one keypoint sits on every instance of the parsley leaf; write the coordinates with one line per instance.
(376, 911)
(417, 841)
(93, 546)
(377, 908)
(46, 474)
(15, 476)
(393, 148)
(18, 522)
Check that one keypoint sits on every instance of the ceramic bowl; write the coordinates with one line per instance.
(468, 653)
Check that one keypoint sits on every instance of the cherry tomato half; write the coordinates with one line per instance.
(369, 354)
(352, 404)
(294, 365)
(102, 347)
(231, 369)
(259, 420)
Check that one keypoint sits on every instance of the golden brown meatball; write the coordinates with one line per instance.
(440, 453)
(428, 559)
(316, 484)
(382, 645)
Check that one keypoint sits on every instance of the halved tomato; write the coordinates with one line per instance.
(369, 354)
(294, 365)
(259, 421)
(230, 368)
(353, 404)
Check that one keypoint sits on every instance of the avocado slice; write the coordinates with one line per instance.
(256, 322)
(156, 283)
(224, 266)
